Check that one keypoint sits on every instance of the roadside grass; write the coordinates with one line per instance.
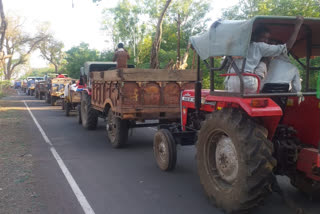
(16, 177)
(5, 88)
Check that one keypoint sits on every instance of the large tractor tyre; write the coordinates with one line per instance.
(117, 130)
(89, 115)
(67, 108)
(165, 150)
(235, 161)
(79, 114)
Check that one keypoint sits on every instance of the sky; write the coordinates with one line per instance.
(75, 21)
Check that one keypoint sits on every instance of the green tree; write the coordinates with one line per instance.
(124, 23)
(19, 45)
(51, 50)
(78, 55)
(248, 8)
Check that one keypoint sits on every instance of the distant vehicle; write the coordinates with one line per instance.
(17, 84)
(71, 97)
(31, 84)
(40, 89)
(56, 91)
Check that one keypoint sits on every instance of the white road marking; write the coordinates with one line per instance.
(73, 184)
(154, 129)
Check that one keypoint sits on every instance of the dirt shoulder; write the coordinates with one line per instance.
(17, 186)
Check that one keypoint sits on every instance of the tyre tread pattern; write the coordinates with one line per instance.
(258, 156)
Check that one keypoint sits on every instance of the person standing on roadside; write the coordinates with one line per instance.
(121, 56)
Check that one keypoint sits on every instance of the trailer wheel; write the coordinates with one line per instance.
(235, 162)
(67, 108)
(48, 100)
(79, 114)
(165, 150)
(89, 115)
(53, 101)
(117, 130)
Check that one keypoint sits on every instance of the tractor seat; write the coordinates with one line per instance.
(275, 88)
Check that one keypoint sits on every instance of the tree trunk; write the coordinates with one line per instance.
(55, 68)
(154, 58)
(178, 42)
(184, 64)
(3, 27)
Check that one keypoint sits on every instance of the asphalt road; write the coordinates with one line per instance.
(121, 181)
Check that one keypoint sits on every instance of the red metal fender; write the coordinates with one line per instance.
(269, 114)
(309, 163)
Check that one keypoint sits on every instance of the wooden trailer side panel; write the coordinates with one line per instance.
(134, 96)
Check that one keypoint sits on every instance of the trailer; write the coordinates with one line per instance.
(71, 99)
(125, 96)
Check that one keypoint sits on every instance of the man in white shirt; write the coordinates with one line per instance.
(257, 50)
(281, 70)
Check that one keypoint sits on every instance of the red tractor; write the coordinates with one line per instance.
(243, 140)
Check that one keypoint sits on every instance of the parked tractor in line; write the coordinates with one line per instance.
(40, 89)
(244, 140)
(72, 98)
(31, 84)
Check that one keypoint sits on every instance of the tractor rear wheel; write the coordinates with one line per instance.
(165, 150)
(235, 162)
(89, 115)
(117, 130)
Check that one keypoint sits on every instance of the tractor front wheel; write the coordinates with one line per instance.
(165, 150)
(235, 162)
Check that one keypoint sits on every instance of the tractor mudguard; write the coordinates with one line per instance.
(264, 108)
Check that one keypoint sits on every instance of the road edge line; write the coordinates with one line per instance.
(73, 184)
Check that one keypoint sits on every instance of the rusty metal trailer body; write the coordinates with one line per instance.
(125, 96)
(141, 94)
